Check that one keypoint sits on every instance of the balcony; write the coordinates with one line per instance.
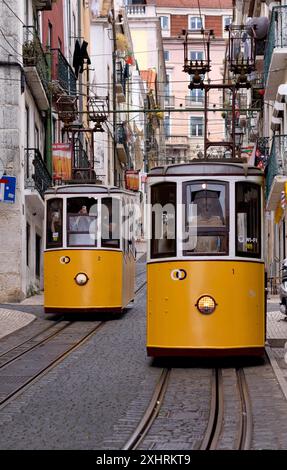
(37, 176)
(275, 52)
(177, 141)
(63, 78)
(122, 144)
(35, 67)
(276, 176)
(140, 10)
(120, 83)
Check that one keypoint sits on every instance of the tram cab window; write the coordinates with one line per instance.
(110, 223)
(248, 226)
(163, 199)
(82, 216)
(54, 228)
(206, 231)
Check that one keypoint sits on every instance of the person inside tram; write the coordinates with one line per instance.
(79, 226)
(208, 214)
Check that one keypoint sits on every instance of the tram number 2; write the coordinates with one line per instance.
(178, 274)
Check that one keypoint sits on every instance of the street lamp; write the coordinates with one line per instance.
(238, 136)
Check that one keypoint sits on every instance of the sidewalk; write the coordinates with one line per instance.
(12, 320)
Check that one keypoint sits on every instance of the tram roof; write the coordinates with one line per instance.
(210, 168)
(87, 188)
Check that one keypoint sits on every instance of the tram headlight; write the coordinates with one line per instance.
(81, 279)
(206, 304)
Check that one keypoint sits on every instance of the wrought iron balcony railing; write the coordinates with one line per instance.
(120, 74)
(33, 54)
(277, 161)
(63, 73)
(37, 175)
(277, 35)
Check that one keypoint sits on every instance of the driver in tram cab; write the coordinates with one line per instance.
(209, 214)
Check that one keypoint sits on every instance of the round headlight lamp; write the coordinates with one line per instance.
(206, 304)
(81, 279)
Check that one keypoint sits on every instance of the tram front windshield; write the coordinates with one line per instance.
(83, 223)
(206, 230)
(82, 214)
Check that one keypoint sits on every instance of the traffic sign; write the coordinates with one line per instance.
(7, 189)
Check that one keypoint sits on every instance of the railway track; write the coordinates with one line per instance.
(211, 438)
(23, 364)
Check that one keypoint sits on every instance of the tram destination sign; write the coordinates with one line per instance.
(7, 189)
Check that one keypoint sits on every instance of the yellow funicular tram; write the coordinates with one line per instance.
(89, 259)
(205, 271)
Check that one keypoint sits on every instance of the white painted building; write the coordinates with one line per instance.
(23, 105)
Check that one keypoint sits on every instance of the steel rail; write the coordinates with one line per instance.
(245, 427)
(31, 337)
(19, 390)
(150, 413)
(215, 420)
(34, 345)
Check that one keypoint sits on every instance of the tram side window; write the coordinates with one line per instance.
(110, 219)
(82, 214)
(163, 200)
(206, 230)
(248, 226)
(54, 226)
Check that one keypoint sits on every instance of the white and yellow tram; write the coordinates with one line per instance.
(89, 259)
(205, 267)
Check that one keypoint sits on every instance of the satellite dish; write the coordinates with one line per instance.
(1, 168)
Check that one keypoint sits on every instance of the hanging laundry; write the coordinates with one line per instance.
(80, 55)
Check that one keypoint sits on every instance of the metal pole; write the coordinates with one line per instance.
(114, 94)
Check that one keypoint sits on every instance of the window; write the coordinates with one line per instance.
(166, 124)
(205, 220)
(28, 231)
(167, 87)
(163, 200)
(195, 23)
(166, 55)
(82, 215)
(37, 140)
(248, 226)
(50, 35)
(27, 126)
(110, 223)
(38, 255)
(54, 130)
(227, 21)
(164, 22)
(197, 95)
(196, 55)
(196, 126)
(54, 227)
